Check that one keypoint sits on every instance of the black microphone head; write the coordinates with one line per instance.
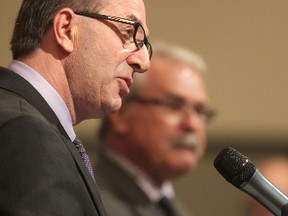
(234, 167)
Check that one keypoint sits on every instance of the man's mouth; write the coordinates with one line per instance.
(189, 141)
(124, 84)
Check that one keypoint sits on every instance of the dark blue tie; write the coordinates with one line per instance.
(167, 206)
(79, 146)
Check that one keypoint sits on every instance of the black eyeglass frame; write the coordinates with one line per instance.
(136, 25)
(207, 112)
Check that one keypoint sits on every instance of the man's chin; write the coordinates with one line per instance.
(190, 159)
(184, 168)
(113, 107)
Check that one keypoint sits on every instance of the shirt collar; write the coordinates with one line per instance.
(49, 94)
(153, 192)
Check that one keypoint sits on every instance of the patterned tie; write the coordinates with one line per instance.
(79, 146)
(167, 206)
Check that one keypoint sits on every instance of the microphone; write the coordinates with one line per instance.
(240, 172)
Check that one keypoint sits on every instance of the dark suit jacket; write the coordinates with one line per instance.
(121, 195)
(42, 173)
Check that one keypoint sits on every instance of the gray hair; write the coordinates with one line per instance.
(180, 54)
(173, 52)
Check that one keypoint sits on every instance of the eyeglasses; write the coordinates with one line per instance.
(138, 33)
(203, 112)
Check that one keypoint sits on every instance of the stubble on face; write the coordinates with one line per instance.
(92, 69)
(117, 75)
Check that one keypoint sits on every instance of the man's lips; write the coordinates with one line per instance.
(125, 84)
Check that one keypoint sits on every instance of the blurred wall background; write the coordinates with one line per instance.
(245, 45)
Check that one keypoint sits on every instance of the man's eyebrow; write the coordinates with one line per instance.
(134, 18)
(171, 96)
(179, 98)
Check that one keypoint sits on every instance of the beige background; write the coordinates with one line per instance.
(245, 45)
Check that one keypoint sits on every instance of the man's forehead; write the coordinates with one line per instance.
(131, 9)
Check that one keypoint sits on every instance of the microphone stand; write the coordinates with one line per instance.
(285, 210)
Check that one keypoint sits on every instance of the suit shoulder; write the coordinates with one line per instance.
(13, 106)
(115, 205)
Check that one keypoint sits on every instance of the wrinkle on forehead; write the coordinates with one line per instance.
(130, 9)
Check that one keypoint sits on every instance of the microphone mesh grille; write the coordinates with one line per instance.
(234, 167)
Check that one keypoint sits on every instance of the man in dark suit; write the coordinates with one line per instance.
(69, 64)
(158, 135)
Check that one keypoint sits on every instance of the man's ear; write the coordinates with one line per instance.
(65, 29)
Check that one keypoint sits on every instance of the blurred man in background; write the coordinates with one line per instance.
(275, 169)
(158, 135)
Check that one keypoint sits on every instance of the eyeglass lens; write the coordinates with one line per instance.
(140, 39)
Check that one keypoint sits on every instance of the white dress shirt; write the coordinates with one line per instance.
(50, 95)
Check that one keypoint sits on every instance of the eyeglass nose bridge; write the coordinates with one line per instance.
(131, 46)
(192, 110)
(204, 114)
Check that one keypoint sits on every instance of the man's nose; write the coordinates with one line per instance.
(140, 60)
(191, 121)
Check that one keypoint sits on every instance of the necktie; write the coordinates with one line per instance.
(167, 206)
(79, 146)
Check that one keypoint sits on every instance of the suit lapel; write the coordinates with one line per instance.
(137, 200)
(107, 170)
(15, 83)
